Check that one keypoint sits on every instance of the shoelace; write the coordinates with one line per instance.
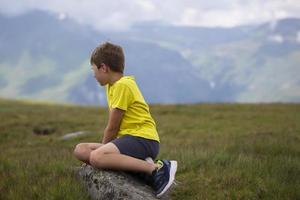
(160, 163)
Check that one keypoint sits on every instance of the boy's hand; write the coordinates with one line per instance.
(113, 125)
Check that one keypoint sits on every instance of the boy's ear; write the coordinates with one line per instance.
(105, 67)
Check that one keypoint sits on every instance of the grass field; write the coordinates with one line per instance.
(224, 151)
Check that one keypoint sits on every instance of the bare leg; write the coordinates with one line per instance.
(109, 157)
(82, 151)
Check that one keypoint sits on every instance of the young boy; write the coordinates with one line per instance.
(130, 136)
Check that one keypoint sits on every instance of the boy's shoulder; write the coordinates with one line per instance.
(125, 80)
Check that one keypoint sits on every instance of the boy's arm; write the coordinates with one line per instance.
(113, 125)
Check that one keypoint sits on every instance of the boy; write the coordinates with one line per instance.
(130, 136)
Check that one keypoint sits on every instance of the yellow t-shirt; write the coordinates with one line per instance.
(137, 121)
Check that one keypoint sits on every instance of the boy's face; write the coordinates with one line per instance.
(100, 74)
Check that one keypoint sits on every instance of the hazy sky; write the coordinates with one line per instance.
(123, 13)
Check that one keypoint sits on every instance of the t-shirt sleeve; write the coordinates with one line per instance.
(122, 97)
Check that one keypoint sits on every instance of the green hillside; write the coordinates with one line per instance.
(225, 151)
(45, 58)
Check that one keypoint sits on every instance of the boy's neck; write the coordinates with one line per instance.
(115, 77)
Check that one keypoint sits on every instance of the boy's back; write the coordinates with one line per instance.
(124, 94)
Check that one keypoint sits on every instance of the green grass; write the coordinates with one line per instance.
(224, 151)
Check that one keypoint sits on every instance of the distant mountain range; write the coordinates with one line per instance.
(45, 58)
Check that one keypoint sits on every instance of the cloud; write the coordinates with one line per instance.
(276, 38)
(124, 13)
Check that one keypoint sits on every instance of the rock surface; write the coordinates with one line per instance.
(73, 135)
(110, 185)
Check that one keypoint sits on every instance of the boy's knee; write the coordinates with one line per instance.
(79, 150)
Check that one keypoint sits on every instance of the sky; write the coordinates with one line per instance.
(122, 14)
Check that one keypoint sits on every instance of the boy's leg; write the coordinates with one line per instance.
(82, 151)
(108, 156)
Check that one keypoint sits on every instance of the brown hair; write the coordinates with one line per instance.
(109, 54)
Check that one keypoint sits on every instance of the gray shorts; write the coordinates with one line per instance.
(137, 147)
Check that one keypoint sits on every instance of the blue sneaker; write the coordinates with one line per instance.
(164, 176)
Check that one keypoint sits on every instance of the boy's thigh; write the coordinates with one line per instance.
(94, 146)
(107, 148)
(137, 147)
(90, 146)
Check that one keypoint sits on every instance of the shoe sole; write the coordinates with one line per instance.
(171, 179)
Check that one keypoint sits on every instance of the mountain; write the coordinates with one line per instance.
(246, 64)
(44, 57)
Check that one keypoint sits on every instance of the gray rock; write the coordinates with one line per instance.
(43, 130)
(73, 135)
(110, 185)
